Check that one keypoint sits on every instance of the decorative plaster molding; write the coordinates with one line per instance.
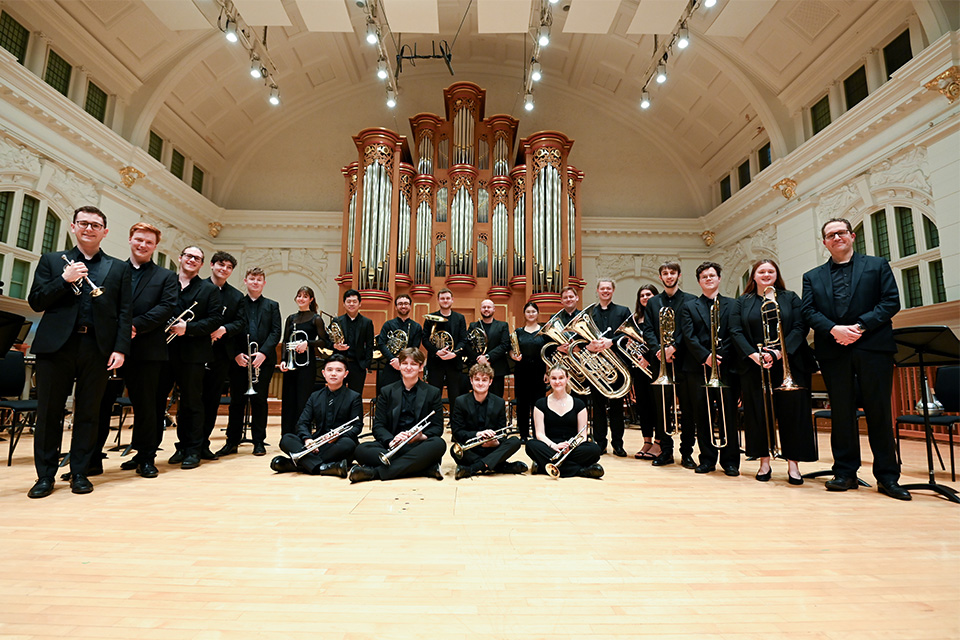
(15, 156)
(215, 228)
(708, 237)
(735, 258)
(837, 202)
(906, 169)
(616, 266)
(787, 188)
(129, 175)
(312, 263)
(947, 83)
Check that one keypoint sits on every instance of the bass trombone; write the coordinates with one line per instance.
(296, 337)
(773, 340)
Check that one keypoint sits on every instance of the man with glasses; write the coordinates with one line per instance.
(189, 350)
(80, 338)
(850, 301)
(390, 372)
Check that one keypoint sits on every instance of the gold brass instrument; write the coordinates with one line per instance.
(77, 286)
(632, 345)
(440, 339)
(553, 467)
(603, 369)
(457, 449)
(329, 436)
(187, 316)
(553, 329)
(716, 407)
(514, 342)
(413, 432)
(253, 373)
(397, 341)
(671, 411)
(334, 330)
(296, 337)
(773, 340)
(478, 341)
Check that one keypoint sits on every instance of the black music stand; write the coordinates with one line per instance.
(921, 347)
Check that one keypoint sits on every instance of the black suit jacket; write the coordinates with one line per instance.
(498, 345)
(386, 424)
(874, 300)
(233, 320)
(263, 326)
(747, 332)
(361, 346)
(53, 296)
(651, 323)
(468, 418)
(154, 300)
(414, 336)
(456, 326)
(194, 346)
(695, 326)
(347, 406)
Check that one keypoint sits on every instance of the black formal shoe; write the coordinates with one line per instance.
(129, 465)
(226, 450)
(360, 473)
(534, 468)
(434, 472)
(795, 481)
(90, 472)
(894, 490)
(80, 484)
(338, 469)
(515, 467)
(462, 472)
(41, 488)
(840, 483)
(190, 461)
(705, 468)
(206, 454)
(147, 470)
(731, 471)
(593, 471)
(764, 477)
(619, 452)
(259, 449)
(283, 464)
(663, 459)
(176, 458)
(687, 462)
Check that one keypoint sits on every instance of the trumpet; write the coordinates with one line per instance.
(671, 412)
(187, 316)
(716, 408)
(78, 285)
(296, 337)
(635, 348)
(326, 438)
(253, 373)
(457, 449)
(553, 467)
(413, 432)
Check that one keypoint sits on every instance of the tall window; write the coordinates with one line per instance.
(897, 53)
(764, 157)
(881, 241)
(820, 114)
(176, 164)
(906, 238)
(936, 282)
(13, 36)
(155, 147)
(911, 288)
(743, 174)
(58, 72)
(19, 277)
(725, 189)
(51, 229)
(28, 222)
(855, 87)
(931, 233)
(96, 104)
(196, 181)
(6, 204)
(860, 241)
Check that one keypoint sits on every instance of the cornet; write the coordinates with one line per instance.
(253, 373)
(187, 316)
(412, 433)
(329, 436)
(296, 337)
(78, 285)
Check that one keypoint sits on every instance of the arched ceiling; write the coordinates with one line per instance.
(719, 104)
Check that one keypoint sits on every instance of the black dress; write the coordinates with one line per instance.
(646, 396)
(302, 381)
(559, 428)
(528, 383)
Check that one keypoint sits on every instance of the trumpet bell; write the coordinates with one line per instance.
(434, 317)
(552, 470)
(96, 292)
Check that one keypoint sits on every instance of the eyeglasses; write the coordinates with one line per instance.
(191, 257)
(88, 224)
(836, 235)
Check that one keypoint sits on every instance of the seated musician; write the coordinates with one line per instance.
(325, 410)
(481, 415)
(557, 419)
(401, 407)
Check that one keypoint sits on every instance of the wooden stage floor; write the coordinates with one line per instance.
(231, 550)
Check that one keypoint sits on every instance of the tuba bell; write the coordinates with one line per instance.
(632, 345)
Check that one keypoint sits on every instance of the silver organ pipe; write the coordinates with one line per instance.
(375, 230)
(519, 233)
(442, 204)
(403, 235)
(424, 242)
(546, 229)
(351, 230)
(425, 164)
(500, 245)
(461, 231)
(483, 206)
(501, 153)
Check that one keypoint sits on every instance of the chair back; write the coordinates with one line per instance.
(13, 374)
(948, 388)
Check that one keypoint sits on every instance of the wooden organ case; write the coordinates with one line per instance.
(456, 213)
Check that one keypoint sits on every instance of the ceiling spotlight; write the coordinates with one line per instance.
(554, 1)
(543, 35)
(274, 95)
(372, 36)
(230, 33)
(661, 73)
(382, 69)
(683, 38)
(391, 98)
(645, 100)
(709, 3)
(536, 72)
(256, 70)
(528, 102)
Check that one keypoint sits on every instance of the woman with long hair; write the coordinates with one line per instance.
(645, 407)
(300, 382)
(529, 369)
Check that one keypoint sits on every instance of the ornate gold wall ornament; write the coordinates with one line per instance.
(129, 175)
(947, 83)
(214, 228)
(787, 188)
(708, 237)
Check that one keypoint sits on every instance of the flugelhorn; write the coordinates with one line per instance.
(329, 436)
(413, 432)
(553, 467)
(187, 316)
(457, 449)
(716, 407)
(253, 373)
(77, 285)
(296, 337)
(632, 345)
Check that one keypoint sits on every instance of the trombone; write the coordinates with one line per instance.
(716, 408)
(328, 437)
(296, 337)
(773, 340)
(412, 433)
(667, 377)
(553, 467)
(77, 286)
(253, 373)
(187, 316)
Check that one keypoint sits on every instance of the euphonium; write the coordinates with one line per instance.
(253, 373)
(457, 449)
(603, 369)
(553, 467)
(716, 408)
(186, 316)
(78, 285)
(632, 345)
(413, 432)
(296, 337)
(553, 329)
(671, 412)
(329, 436)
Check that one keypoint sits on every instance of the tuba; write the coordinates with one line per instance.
(296, 337)
(603, 369)
(632, 345)
(478, 341)
(553, 329)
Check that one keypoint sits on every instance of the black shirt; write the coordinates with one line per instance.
(353, 337)
(559, 428)
(137, 272)
(408, 403)
(85, 315)
(841, 274)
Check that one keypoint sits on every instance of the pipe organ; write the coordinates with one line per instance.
(475, 210)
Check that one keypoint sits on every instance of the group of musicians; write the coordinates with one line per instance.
(697, 361)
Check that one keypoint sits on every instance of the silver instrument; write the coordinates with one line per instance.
(326, 438)
(457, 449)
(413, 432)
(632, 345)
(296, 337)
(553, 467)
(77, 286)
(253, 373)
(187, 316)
